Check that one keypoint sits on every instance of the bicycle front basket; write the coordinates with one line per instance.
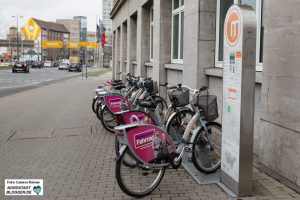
(209, 105)
(180, 98)
(148, 85)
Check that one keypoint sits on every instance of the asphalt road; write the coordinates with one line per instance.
(12, 83)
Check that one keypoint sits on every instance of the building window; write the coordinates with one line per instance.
(151, 33)
(222, 8)
(177, 30)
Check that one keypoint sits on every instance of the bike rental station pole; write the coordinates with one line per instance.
(238, 100)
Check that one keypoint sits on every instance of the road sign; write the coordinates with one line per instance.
(238, 99)
(73, 45)
(52, 44)
(83, 44)
(92, 45)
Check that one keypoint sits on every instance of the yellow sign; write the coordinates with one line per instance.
(31, 30)
(83, 44)
(92, 45)
(52, 44)
(73, 45)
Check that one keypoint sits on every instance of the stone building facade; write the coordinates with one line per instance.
(180, 41)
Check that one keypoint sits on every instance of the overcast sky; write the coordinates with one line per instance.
(48, 10)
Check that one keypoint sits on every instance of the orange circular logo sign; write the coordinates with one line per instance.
(233, 27)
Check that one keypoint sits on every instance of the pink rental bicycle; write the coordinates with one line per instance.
(146, 150)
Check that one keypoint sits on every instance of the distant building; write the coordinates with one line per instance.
(91, 52)
(83, 27)
(91, 36)
(106, 8)
(40, 31)
(83, 34)
(73, 26)
(12, 36)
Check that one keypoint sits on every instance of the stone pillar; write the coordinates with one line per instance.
(117, 54)
(131, 43)
(199, 42)
(280, 99)
(123, 47)
(113, 54)
(143, 35)
(161, 39)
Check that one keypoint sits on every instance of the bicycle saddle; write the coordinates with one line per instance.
(120, 87)
(116, 84)
(147, 104)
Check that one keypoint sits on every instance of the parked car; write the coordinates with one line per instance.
(48, 64)
(37, 64)
(20, 66)
(75, 67)
(63, 66)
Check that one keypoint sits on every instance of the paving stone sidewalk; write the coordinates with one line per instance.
(75, 157)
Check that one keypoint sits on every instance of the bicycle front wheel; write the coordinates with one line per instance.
(128, 161)
(94, 105)
(137, 181)
(108, 119)
(206, 150)
(178, 123)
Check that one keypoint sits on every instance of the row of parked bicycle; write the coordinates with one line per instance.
(151, 136)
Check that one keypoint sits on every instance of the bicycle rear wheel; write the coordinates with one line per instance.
(137, 181)
(206, 150)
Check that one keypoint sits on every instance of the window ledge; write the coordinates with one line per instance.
(149, 64)
(174, 66)
(218, 72)
(134, 62)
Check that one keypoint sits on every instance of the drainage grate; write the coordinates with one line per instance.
(63, 132)
(31, 134)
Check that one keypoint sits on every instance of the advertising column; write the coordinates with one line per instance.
(238, 99)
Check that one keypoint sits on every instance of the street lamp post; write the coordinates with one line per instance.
(17, 33)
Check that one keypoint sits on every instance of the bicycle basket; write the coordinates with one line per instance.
(151, 86)
(180, 98)
(209, 105)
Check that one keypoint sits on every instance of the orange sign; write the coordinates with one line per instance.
(73, 45)
(52, 44)
(92, 45)
(238, 54)
(233, 27)
(83, 44)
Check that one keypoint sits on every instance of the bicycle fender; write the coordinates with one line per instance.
(95, 97)
(193, 139)
(183, 108)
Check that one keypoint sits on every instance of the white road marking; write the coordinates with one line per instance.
(18, 86)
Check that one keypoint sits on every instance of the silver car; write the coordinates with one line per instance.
(63, 66)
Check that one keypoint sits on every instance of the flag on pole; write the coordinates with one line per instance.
(98, 34)
(102, 30)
